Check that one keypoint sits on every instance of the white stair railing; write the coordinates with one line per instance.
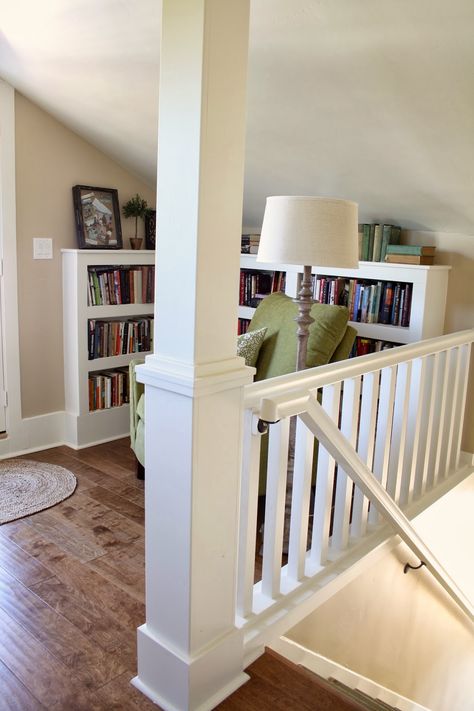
(388, 428)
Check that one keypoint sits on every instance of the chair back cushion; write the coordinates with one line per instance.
(277, 354)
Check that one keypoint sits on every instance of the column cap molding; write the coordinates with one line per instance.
(191, 379)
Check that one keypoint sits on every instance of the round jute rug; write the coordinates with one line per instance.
(27, 487)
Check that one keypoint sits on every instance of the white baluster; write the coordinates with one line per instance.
(399, 429)
(428, 432)
(365, 447)
(344, 485)
(460, 405)
(275, 507)
(414, 442)
(440, 415)
(324, 484)
(384, 431)
(248, 515)
(451, 409)
(300, 502)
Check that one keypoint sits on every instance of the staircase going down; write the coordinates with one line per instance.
(277, 683)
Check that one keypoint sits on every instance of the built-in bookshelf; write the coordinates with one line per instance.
(418, 316)
(107, 321)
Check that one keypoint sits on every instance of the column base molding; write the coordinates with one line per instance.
(197, 683)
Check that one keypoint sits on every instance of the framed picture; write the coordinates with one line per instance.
(150, 229)
(97, 217)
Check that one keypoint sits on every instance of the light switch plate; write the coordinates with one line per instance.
(42, 248)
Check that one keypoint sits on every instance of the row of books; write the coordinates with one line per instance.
(249, 244)
(368, 301)
(255, 285)
(374, 239)
(362, 346)
(112, 338)
(121, 285)
(108, 389)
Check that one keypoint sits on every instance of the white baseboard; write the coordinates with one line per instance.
(328, 669)
(33, 434)
(55, 429)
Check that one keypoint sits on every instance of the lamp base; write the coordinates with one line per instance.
(304, 319)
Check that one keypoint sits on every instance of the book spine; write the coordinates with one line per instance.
(377, 243)
(360, 240)
(395, 304)
(405, 317)
(365, 243)
(386, 235)
(387, 303)
(370, 251)
(416, 249)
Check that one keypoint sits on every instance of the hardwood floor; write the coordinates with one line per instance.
(72, 590)
(72, 596)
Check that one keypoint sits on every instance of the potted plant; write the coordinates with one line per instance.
(135, 207)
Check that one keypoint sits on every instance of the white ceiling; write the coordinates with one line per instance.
(371, 100)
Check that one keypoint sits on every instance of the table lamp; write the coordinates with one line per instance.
(308, 231)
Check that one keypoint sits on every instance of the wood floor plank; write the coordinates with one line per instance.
(20, 564)
(119, 450)
(260, 695)
(104, 527)
(93, 620)
(59, 636)
(46, 678)
(14, 696)
(69, 538)
(125, 568)
(132, 493)
(118, 503)
(112, 464)
(119, 695)
(89, 476)
(88, 584)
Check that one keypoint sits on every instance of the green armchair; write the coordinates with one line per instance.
(137, 417)
(330, 340)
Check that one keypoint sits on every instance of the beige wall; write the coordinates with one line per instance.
(50, 159)
(458, 251)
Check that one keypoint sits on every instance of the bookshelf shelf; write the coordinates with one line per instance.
(119, 361)
(83, 426)
(428, 303)
(119, 311)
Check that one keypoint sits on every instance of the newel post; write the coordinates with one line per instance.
(190, 655)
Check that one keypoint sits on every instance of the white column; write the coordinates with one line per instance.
(190, 654)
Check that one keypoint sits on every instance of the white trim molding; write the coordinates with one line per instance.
(9, 299)
(328, 669)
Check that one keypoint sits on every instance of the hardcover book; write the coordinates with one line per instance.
(417, 249)
(408, 259)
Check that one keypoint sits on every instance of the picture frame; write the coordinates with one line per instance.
(150, 229)
(97, 217)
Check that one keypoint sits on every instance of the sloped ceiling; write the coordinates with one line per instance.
(371, 100)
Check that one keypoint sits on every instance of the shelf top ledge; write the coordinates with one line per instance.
(251, 258)
(90, 252)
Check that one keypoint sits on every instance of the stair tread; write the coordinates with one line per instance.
(307, 690)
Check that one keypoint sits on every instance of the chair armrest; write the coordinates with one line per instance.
(135, 390)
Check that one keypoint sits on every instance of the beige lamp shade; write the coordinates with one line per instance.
(314, 231)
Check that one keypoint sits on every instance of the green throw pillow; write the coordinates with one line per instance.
(248, 345)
